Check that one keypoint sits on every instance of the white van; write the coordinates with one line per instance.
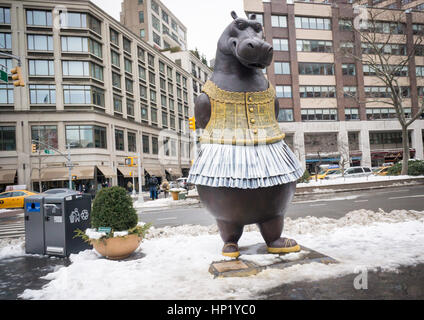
(357, 172)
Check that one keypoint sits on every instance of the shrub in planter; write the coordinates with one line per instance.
(113, 209)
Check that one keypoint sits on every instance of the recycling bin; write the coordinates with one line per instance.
(51, 230)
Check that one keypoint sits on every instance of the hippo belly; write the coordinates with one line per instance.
(247, 206)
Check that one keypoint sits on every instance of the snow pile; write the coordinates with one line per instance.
(10, 248)
(165, 202)
(171, 262)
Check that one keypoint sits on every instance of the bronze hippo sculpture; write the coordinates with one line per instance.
(244, 172)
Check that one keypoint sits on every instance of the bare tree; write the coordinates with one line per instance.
(387, 52)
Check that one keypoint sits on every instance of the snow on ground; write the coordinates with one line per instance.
(344, 180)
(165, 202)
(173, 262)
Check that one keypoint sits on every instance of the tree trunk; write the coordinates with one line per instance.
(405, 144)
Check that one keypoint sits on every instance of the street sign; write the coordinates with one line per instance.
(4, 76)
(47, 151)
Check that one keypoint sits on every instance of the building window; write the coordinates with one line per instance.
(115, 58)
(146, 144)
(280, 44)
(132, 142)
(346, 47)
(350, 92)
(142, 33)
(140, 53)
(95, 25)
(128, 65)
(348, 69)
(7, 138)
(419, 70)
(317, 91)
(285, 115)
(345, 25)
(279, 21)
(73, 20)
(384, 48)
(372, 70)
(283, 91)
(40, 42)
(77, 94)
(386, 27)
(96, 71)
(129, 85)
(156, 23)
(314, 46)
(384, 113)
(351, 114)
(42, 94)
(4, 16)
(116, 80)
(144, 113)
(155, 145)
(39, 18)
(156, 39)
(163, 101)
(98, 96)
(318, 114)
(74, 44)
(164, 119)
(143, 92)
(154, 115)
(172, 122)
(130, 108)
(114, 37)
(86, 136)
(165, 17)
(46, 135)
(152, 96)
(418, 29)
(75, 68)
(6, 93)
(387, 140)
(126, 45)
(307, 68)
(142, 73)
(119, 140)
(41, 67)
(117, 104)
(282, 67)
(155, 6)
(7, 63)
(151, 60)
(313, 23)
(5, 41)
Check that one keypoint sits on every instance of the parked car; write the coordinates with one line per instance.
(335, 173)
(182, 183)
(325, 172)
(357, 172)
(14, 199)
(382, 171)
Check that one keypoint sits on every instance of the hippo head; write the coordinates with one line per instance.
(244, 40)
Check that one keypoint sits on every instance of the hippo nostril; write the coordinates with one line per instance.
(234, 44)
(250, 45)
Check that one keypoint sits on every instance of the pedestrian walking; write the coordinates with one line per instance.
(153, 187)
(165, 188)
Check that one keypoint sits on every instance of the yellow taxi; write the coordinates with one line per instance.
(382, 171)
(14, 198)
(326, 172)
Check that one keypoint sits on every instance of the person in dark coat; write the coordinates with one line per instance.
(153, 187)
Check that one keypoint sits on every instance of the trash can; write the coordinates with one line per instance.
(51, 230)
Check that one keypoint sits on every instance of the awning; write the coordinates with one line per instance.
(7, 176)
(174, 171)
(154, 170)
(108, 172)
(62, 173)
(126, 171)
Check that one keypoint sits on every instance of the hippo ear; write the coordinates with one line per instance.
(234, 15)
(252, 16)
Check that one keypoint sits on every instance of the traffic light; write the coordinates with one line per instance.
(192, 123)
(17, 77)
(34, 148)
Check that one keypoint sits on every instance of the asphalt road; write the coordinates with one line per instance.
(331, 205)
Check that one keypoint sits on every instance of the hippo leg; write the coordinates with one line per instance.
(230, 234)
(271, 232)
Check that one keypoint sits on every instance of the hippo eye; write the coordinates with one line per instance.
(241, 25)
(257, 27)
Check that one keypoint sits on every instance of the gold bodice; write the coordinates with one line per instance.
(241, 118)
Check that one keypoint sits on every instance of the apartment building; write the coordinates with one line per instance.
(154, 23)
(315, 84)
(92, 86)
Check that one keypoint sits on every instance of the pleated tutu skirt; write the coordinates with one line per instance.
(245, 167)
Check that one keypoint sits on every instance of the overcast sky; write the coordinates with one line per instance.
(204, 19)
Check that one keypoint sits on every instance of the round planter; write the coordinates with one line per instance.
(117, 248)
(175, 195)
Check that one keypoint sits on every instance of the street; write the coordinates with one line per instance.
(331, 205)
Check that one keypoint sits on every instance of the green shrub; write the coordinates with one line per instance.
(304, 178)
(415, 168)
(113, 208)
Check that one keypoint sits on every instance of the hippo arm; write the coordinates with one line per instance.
(202, 111)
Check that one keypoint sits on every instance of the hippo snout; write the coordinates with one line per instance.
(255, 53)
